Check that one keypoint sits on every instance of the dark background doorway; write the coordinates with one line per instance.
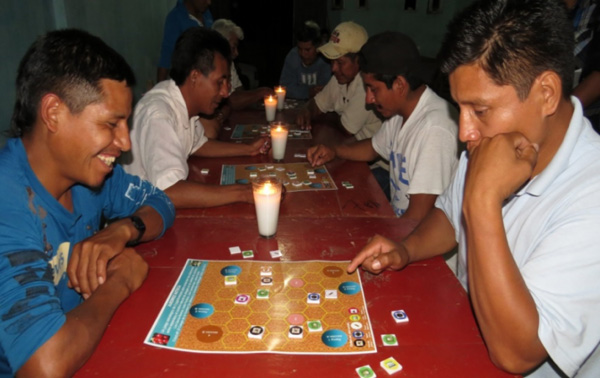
(269, 27)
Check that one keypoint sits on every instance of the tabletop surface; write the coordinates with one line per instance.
(366, 199)
(441, 338)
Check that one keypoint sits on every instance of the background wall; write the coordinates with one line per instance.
(426, 29)
(134, 28)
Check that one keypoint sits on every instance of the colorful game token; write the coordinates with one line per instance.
(276, 253)
(358, 334)
(234, 250)
(313, 298)
(266, 281)
(204, 171)
(400, 316)
(296, 332)
(307, 182)
(314, 326)
(331, 294)
(262, 294)
(253, 174)
(266, 271)
(242, 299)
(356, 325)
(301, 156)
(230, 280)
(390, 365)
(256, 332)
(365, 372)
(248, 254)
(389, 340)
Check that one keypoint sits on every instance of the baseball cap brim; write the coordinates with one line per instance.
(330, 51)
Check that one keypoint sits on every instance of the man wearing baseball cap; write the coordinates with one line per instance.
(419, 138)
(344, 93)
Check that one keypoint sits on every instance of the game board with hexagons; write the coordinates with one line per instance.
(307, 307)
(296, 177)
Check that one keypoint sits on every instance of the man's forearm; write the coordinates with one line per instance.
(359, 151)
(189, 194)
(74, 343)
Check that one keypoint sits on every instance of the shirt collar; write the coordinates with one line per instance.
(559, 162)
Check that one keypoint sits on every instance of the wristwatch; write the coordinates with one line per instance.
(139, 225)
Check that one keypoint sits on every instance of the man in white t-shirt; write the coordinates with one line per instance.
(524, 205)
(166, 130)
(420, 137)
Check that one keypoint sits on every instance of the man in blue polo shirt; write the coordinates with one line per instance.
(62, 276)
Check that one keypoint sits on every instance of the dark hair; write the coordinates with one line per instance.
(309, 33)
(69, 63)
(514, 41)
(195, 50)
(413, 81)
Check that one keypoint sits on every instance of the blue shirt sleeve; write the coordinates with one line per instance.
(124, 194)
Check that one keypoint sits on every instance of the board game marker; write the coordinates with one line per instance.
(296, 332)
(390, 365)
(234, 250)
(400, 316)
(365, 372)
(256, 332)
(389, 340)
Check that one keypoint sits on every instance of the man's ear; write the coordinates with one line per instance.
(51, 107)
(400, 84)
(550, 89)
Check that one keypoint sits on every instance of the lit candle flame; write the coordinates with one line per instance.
(267, 189)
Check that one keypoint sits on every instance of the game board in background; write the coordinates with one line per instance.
(254, 130)
(296, 177)
(302, 307)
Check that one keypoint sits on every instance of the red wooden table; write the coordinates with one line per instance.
(440, 340)
(365, 200)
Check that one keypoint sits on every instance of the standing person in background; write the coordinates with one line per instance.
(186, 14)
(304, 72)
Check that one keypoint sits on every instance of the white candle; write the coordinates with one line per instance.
(270, 107)
(279, 137)
(280, 91)
(267, 196)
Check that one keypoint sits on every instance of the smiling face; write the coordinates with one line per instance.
(378, 94)
(308, 52)
(488, 109)
(88, 142)
(208, 91)
(345, 69)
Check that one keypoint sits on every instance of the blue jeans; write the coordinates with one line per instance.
(383, 179)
